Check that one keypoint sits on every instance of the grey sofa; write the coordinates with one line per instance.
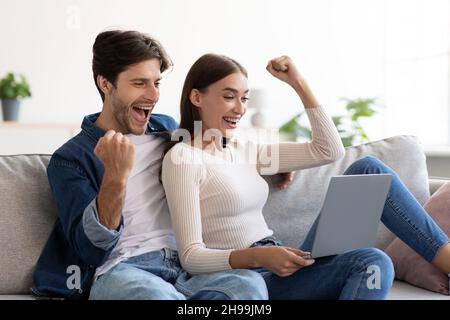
(27, 211)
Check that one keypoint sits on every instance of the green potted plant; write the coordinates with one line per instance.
(349, 127)
(11, 91)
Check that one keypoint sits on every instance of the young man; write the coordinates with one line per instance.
(113, 237)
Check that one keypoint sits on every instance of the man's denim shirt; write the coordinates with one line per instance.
(78, 243)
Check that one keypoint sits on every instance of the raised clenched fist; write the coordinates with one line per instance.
(117, 154)
(284, 69)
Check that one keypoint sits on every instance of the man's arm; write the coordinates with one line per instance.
(285, 179)
(110, 201)
(117, 154)
(98, 234)
(91, 219)
(75, 197)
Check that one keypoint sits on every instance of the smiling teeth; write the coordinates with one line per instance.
(143, 107)
(234, 120)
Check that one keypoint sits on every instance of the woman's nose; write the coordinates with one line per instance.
(240, 108)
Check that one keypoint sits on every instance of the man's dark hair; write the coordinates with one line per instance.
(114, 51)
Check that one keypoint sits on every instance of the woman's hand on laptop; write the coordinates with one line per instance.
(283, 261)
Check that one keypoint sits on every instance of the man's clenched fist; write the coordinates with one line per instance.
(117, 154)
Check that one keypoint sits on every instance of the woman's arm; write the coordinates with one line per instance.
(326, 145)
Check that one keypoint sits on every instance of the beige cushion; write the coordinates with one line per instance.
(291, 212)
(424, 274)
(435, 184)
(27, 215)
(403, 291)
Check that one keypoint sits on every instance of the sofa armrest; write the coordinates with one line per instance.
(435, 183)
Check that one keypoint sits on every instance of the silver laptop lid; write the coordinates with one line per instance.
(350, 213)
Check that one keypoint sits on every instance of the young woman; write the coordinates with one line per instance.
(216, 194)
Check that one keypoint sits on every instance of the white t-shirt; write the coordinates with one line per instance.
(147, 225)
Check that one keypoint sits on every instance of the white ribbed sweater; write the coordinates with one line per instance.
(216, 201)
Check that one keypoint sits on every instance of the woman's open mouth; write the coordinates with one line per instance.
(230, 122)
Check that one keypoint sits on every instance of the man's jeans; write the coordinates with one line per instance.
(158, 275)
(353, 274)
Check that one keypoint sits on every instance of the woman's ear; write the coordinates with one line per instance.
(104, 84)
(195, 98)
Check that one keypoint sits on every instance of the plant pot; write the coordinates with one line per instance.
(10, 108)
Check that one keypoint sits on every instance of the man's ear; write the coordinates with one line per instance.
(104, 84)
(196, 98)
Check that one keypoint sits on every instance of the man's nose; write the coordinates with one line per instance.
(152, 93)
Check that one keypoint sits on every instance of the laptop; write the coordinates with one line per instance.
(350, 214)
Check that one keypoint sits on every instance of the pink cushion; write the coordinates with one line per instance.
(411, 267)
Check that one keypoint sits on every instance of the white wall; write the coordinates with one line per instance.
(345, 48)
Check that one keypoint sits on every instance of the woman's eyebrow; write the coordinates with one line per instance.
(234, 90)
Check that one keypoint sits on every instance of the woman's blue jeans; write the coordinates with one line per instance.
(353, 274)
(157, 275)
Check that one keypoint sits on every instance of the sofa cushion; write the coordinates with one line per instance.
(403, 291)
(435, 184)
(291, 212)
(27, 214)
(424, 274)
(18, 297)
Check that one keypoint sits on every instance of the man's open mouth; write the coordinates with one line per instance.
(142, 110)
(141, 113)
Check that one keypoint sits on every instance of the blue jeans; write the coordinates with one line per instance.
(158, 275)
(350, 275)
